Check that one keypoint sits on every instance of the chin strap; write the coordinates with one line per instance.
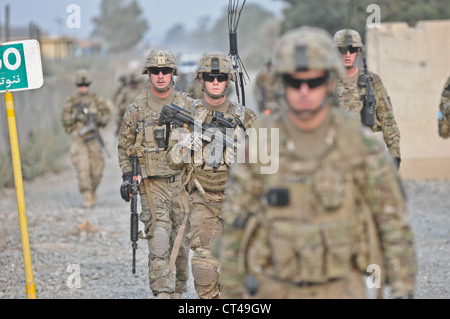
(311, 113)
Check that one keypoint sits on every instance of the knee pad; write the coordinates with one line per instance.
(159, 244)
(204, 274)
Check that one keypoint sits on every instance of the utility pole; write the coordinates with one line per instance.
(7, 34)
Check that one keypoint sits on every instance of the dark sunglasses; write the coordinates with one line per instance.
(156, 70)
(344, 50)
(209, 77)
(82, 85)
(311, 83)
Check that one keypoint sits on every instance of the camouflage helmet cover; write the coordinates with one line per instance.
(215, 62)
(306, 48)
(348, 37)
(160, 59)
(82, 77)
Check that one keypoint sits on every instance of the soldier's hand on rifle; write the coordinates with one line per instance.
(80, 117)
(192, 141)
(125, 187)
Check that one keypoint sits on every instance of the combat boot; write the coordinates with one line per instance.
(87, 196)
(93, 198)
(176, 295)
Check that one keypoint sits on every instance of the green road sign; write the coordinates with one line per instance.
(20, 66)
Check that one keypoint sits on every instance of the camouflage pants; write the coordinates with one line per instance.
(169, 210)
(351, 287)
(87, 157)
(206, 225)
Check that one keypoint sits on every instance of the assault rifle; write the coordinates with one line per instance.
(216, 132)
(368, 99)
(134, 220)
(91, 126)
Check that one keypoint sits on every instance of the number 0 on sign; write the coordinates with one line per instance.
(20, 66)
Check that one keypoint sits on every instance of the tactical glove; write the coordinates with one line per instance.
(125, 187)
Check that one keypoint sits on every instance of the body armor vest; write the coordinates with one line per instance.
(154, 139)
(316, 234)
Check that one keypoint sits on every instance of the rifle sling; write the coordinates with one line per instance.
(137, 147)
(181, 231)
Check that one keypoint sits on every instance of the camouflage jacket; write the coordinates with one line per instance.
(72, 117)
(211, 181)
(127, 97)
(349, 98)
(146, 110)
(322, 218)
(444, 108)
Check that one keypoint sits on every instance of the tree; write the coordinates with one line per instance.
(334, 15)
(120, 24)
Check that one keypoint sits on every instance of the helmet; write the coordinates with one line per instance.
(215, 62)
(160, 59)
(82, 77)
(347, 37)
(306, 48)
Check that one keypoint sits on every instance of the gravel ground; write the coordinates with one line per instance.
(67, 240)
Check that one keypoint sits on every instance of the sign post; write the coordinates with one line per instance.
(20, 69)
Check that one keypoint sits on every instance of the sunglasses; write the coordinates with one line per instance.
(82, 85)
(311, 83)
(208, 77)
(156, 70)
(349, 48)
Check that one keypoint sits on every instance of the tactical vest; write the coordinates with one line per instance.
(349, 97)
(213, 181)
(153, 140)
(316, 234)
(89, 102)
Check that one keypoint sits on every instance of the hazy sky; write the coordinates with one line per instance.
(161, 15)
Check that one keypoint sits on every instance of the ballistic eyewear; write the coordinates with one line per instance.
(209, 77)
(156, 70)
(311, 83)
(343, 50)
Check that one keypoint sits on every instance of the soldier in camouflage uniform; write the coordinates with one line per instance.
(303, 232)
(444, 112)
(160, 189)
(206, 184)
(129, 93)
(349, 92)
(86, 152)
(267, 89)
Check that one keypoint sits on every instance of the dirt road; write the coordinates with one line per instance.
(86, 253)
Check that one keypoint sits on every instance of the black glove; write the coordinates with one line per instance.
(125, 187)
(397, 161)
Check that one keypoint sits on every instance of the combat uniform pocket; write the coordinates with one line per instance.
(338, 254)
(297, 253)
(284, 256)
(311, 254)
(156, 164)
